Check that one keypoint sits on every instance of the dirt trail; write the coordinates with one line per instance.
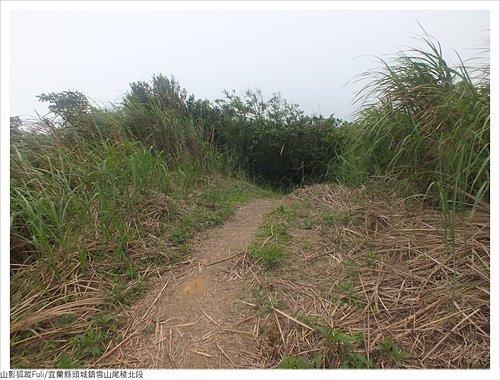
(190, 317)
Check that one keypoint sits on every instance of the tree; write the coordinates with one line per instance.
(161, 92)
(70, 106)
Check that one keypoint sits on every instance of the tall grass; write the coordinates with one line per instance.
(423, 126)
(165, 130)
(74, 235)
(51, 192)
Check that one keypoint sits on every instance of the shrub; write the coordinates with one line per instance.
(274, 141)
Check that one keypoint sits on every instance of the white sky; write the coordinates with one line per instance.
(306, 55)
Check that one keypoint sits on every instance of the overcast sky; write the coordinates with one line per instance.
(308, 56)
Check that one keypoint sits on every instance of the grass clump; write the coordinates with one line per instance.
(391, 350)
(344, 347)
(270, 256)
(424, 127)
(264, 305)
(270, 248)
(340, 349)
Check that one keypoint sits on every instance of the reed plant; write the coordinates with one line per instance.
(423, 126)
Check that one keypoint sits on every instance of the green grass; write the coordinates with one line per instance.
(341, 349)
(265, 305)
(423, 128)
(269, 249)
(112, 252)
(212, 207)
(349, 295)
(269, 256)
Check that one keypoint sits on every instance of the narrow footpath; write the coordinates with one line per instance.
(190, 317)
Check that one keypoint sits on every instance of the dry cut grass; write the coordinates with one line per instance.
(378, 282)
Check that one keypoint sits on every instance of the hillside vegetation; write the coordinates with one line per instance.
(102, 199)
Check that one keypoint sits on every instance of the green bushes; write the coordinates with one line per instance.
(274, 141)
(423, 127)
(156, 116)
(271, 140)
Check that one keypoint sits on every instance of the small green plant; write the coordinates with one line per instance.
(373, 258)
(308, 319)
(265, 305)
(182, 232)
(88, 343)
(132, 272)
(351, 296)
(332, 336)
(308, 223)
(107, 323)
(328, 219)
(124, 293)
(350, 267)
(390, 349)
(355, 360)
(270, 256)
(293, 362)
(176, 255)
(281, 231)
(66, 361)
(284, 213)
(344, 345)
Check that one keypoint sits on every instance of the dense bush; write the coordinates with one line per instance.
(271, 140)
(69, 106)
(274, 141)
(157, 114)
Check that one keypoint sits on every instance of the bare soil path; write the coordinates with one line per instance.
(190, 317)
